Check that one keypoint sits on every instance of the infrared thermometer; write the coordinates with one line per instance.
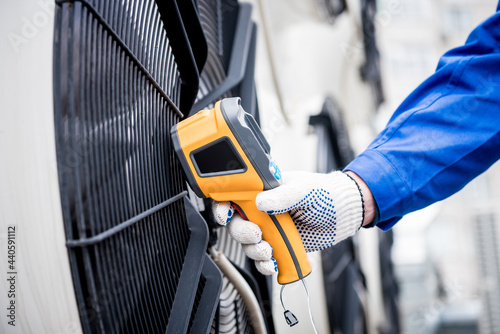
(226, 157)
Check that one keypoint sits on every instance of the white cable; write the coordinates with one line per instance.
(241, 285)
(281, 297)
(309, 306)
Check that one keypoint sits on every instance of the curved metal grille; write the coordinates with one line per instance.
(214, 72)
(116, 91)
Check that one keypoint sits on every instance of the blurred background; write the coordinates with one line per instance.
(446, 257)
(328, 74)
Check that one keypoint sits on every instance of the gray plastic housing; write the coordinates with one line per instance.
(251, 139)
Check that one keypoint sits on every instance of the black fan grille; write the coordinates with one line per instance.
(138, 25)
(116, 89)
(218, 20)
(213, 71)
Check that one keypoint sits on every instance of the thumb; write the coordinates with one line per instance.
(279, 200)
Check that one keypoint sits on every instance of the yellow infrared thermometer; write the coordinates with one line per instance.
(226, 157)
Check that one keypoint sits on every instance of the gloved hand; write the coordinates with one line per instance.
(326, 209)
(248, 234)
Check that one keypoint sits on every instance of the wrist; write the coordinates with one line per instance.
(369, 201)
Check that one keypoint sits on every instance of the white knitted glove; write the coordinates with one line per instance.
(326, 209)
(248, 234)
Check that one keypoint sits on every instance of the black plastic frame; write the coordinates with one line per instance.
(207, 305)
(191, 272)
(238, 61)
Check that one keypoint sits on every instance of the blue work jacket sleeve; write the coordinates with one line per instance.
(445, 133)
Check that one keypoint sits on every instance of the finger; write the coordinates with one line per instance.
(259, 252)
(243, 231)
(268, 267)
(223, 212)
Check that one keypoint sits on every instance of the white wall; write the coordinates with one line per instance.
(29, 196)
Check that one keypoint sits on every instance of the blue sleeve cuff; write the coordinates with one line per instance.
(392, 197)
